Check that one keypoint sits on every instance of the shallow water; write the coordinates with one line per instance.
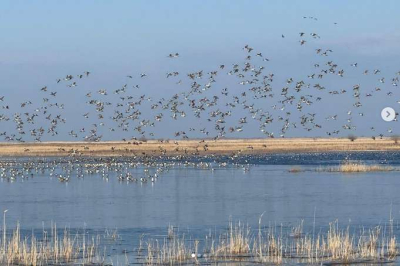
(197, 198)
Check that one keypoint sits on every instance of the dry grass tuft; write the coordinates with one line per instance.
(171, 251)
(356, 167)
(49, 249)
(275, 246)
(235, 242)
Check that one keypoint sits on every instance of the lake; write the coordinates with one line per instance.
(196, 195)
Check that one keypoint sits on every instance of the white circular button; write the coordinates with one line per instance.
(388, 114)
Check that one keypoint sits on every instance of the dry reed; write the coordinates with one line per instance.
(276, 246)
(53, 248)
(357, 167)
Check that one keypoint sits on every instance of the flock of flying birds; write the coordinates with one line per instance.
(221, 110)
(253, 96)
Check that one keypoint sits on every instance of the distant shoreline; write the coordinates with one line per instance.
(196, 147)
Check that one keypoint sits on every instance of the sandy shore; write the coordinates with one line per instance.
(196, 147)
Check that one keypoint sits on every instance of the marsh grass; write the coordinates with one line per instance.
(297, 231)
(275, 245)
(171, 232)
(51, 248)
(168, 251)
(236, 241)
(357, 167)
(111, 235)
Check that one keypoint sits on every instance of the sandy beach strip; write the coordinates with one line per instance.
(196, 147)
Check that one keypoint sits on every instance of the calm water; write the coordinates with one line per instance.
(196, 198)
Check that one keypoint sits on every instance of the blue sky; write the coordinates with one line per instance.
(45, 40)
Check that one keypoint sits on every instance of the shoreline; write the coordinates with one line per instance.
(196, 147)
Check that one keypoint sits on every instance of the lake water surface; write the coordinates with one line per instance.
(196, 197)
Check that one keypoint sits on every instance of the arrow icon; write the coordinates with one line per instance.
(388, 114)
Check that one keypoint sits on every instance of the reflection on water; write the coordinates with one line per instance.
(197, 199)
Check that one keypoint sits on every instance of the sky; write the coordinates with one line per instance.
(45, 40)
